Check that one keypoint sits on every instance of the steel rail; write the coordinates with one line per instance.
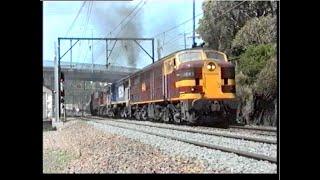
(255, 128)
(201, 144)
(201, 132)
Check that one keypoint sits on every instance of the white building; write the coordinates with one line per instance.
(47, 103)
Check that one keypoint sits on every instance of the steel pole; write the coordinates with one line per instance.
(59, 70)
(194, 25)
(152, 51)
(71, 54)
(56, 85)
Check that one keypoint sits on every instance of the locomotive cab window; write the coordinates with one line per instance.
(215, 55)
(190, 56)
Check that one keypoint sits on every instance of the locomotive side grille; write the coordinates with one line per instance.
(228, 72)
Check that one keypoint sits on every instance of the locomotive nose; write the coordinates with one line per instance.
(218, 80)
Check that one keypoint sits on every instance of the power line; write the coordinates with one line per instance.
(128, 23)
(170, 29)
(131, 18)
(173, 40)
(176, 37)
(88, 16)
(76, 18)
(100, 53)
(85, 23)
(126, 17)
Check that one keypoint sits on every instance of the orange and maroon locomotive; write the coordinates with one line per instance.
(195, 86)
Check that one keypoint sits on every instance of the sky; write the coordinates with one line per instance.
(98, 18)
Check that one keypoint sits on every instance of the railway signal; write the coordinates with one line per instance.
(62, 94)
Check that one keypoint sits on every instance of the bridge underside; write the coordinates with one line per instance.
(82, 75)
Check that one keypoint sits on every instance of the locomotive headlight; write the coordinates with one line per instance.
(211, 66)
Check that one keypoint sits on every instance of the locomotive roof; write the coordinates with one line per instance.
(162, 59)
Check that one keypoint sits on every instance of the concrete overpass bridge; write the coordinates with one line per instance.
(85, 72)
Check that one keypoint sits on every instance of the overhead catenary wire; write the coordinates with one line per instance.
(84, 26)
(75, 19)
(131, 18)
(122, 27)
(122, 21)
(180, 35)
(174, 27)
(126, 17)
(170, 29)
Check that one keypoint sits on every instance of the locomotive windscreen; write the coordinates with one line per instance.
(190, 56)
(215, 55)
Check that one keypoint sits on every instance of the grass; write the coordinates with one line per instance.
(55, 161)
(48, 128)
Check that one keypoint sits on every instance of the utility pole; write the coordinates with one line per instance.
(56, 86)
(159, 48)
(71, 54)
(194, 26)
(84, 92)
(92, 49)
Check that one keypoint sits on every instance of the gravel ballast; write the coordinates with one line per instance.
(239, 144)
(241, 132)
(215, 161)
(82, 148)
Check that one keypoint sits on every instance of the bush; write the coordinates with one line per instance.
(266, 84)
(254, 59)
(262, 30)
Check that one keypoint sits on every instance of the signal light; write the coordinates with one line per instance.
(62, 77)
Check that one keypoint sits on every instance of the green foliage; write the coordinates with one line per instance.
(254, 59)
(244, 91)
(223, 19)
(262, 30)
(246, 33)
(266, 83)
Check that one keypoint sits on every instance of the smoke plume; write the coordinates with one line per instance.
(109, 16)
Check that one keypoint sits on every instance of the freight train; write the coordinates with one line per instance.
(192, 86)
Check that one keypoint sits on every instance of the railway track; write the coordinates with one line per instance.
(208, 132)
(267, 129)
(190, 141)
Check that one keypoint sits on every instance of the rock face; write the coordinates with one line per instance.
(80, 148)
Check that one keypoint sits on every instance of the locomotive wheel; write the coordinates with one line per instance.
(123, 113)
(191, 117)
(177, 118)
(165, 115)
(144, 115)
(137, 115)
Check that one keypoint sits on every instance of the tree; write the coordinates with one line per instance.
(254, 59)
(223, 19)
(266, 84)
(245, 97)
(265, 93)
(262, 30)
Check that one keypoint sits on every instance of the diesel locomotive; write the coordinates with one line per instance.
(192, 86)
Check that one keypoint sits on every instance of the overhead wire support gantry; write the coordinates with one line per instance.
(106, 39)
(71, 39)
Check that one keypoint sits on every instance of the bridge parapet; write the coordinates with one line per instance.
(90, 67)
